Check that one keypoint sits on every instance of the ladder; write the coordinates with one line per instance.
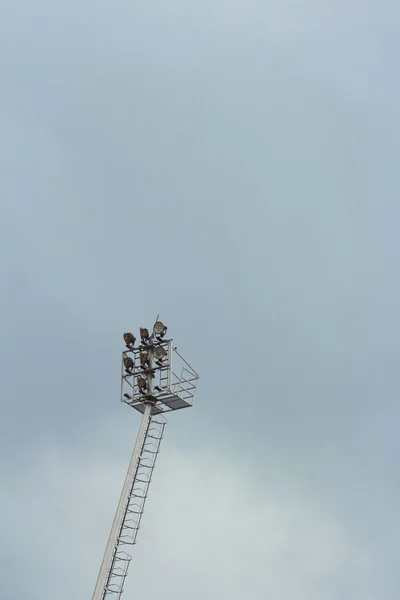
(134, 507)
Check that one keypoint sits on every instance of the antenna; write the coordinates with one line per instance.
(152, 387)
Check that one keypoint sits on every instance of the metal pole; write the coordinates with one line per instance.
(150, 373)
(98, 593)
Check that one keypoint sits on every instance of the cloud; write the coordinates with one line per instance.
(276, 21)
(247, 152)
(208, 529)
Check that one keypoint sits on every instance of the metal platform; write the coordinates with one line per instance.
(166, 404)
(173, 387)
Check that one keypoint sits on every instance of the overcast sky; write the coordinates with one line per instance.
(232, 165)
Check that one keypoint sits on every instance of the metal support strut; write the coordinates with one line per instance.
(114, 568)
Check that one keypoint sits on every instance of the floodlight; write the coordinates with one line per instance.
(144, 357)
(142, 384)
(144, 334)
(159, 352)
(129, 339)
(159, 328)
(128, 363)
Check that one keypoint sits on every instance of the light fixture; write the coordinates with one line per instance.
(144, 358)
(129, 340)
(159, 328)
(128, 364)
(142, 384)
(159, 352)
(144, 334)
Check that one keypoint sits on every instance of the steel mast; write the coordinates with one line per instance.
(149, 385)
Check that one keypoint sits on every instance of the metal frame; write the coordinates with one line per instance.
(166, 390)
(173, 388)
(112, 575)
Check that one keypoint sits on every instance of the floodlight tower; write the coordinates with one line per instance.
(151, 386)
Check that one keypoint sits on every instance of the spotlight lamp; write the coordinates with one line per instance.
(144, 334)
(142, 384)
(159, 352)
(129, 340)
(128, 364)
(144, 359)
(159, 329)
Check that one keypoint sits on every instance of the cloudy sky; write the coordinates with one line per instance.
(233, 166)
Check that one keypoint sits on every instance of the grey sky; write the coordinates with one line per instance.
(232, 166)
